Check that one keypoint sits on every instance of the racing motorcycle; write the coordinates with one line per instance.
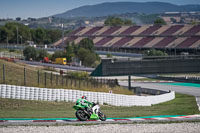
(92, 113)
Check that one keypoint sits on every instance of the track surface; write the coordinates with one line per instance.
(180, 88)
(56, 66)
(51, 121)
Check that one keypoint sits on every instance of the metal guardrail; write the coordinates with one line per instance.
(192, 79)
(143, 58)
(21, 47)
(171, 57)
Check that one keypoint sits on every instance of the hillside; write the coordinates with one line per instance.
(111, 8)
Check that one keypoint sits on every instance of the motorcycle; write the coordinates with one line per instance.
(92, 113)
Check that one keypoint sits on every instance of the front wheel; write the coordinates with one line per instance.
(102, 116)
(81, 115)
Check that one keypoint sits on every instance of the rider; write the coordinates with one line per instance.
(84, 102)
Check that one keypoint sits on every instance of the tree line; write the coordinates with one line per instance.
(14, 33)
(116, 21)
(83, 51)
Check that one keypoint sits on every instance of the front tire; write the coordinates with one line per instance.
(81, 115)
(102, 116)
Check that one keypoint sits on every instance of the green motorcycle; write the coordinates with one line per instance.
(92, 113)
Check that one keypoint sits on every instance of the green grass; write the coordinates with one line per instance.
(14, 75)
(9, 108)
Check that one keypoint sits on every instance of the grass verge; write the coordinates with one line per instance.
(14, 75)
(9, 108)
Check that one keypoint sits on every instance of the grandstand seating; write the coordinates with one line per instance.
(142, 42)
(76, 31)
(150, 30)
(140, 30)
(188, 42)
(130, 30)
(111, 30)
(103, 41)
(153, 42)
(163, 43)
(193, 30)
(166, 36)
(172, 30)
(93, 30)
(122, 41)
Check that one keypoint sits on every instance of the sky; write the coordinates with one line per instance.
(44, 8)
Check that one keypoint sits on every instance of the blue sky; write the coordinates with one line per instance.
(42, 8)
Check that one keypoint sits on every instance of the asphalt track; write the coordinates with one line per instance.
(57, 66)
(190, 89)
(73, 121)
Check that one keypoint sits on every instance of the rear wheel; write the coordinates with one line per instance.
(81, 115)
(102, 116)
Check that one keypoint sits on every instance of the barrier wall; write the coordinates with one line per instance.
(45, 94)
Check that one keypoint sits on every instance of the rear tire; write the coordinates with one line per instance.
(81, 115)
(102, 116)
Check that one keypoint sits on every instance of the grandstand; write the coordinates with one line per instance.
(134, 38)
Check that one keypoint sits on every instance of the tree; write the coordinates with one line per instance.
(114, 21)
(69, 52)
(30, 53)
(11, 30)
(41, 54)
(58, 54)
(153, 52)
(159, 21)
(87, 44)
(53, 35)
(128, 22)
(86, 56)
(40, 36)
(5, 34)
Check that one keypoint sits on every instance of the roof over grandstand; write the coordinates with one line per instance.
(154, 36)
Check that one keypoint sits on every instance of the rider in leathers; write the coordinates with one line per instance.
(85, 103)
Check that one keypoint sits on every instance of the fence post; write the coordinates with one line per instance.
(101, 82)
(4, 78)
(66, 81)
(38, 78)
(93, 85)
(75, 83)
(56, 80)
(129, 82)
(97, 82)
(51, 78)
(104, 82)
(45, 79)
(79, 84)
(87, 84)
(24, 76)
(71, 82)
(62, 80)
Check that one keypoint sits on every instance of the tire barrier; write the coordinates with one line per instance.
(67, 95)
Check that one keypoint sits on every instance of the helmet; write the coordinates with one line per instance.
(84, 97)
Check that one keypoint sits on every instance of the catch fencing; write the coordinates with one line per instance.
(22, 76)
(67, 95)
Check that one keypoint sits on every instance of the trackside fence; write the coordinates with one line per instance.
(23, 76)
(68, 95)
